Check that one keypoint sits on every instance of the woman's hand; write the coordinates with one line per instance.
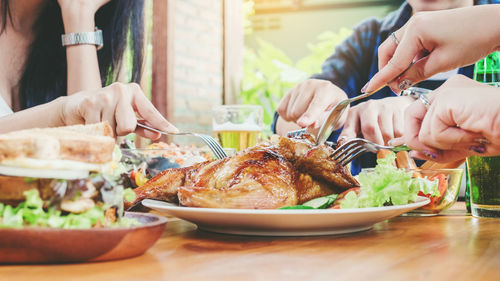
(309, 102)
(436, 42)
(118, 104)
(377, 120)
(462, 120)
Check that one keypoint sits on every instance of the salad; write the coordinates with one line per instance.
(142, 164)
(36, 212)
(385, 185)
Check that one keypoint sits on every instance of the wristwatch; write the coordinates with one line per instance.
(90, 38)
(418, 93)
(415, 92)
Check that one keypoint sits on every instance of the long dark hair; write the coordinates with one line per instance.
(44, 77)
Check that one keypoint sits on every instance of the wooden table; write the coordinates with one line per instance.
(448, 247)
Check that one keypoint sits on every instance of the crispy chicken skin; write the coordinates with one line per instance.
(164, 186)
(282, 172)
(315, 160)
(258, 179)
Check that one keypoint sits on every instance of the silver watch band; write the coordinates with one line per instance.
(415, 92)
(91, 38)
(418, 94)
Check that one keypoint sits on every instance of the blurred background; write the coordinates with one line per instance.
(203, 53)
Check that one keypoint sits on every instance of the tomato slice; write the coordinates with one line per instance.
(442, 187)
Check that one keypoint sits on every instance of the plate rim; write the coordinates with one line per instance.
(169, 206)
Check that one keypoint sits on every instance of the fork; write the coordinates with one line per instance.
(331, 121)
(337, 111)
(210, 141)
(354, 148)
(333, 117)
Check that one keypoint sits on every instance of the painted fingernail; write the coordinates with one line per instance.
(363, 90)
(405, 84)
(482, 141)
(478, 149)
(429, 154)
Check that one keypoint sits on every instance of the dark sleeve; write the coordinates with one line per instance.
(349, 65)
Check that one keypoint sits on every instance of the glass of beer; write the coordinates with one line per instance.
(484, 183)
(237, 126)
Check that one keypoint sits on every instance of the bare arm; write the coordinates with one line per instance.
(118, 104)
(83, 66)
(41, 116)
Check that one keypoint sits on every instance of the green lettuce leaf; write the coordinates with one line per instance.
(296, 207)
(32, 213)
(388, 185)
(128, 194)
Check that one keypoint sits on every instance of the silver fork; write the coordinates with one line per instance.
(210, 141)
(335, 114)
(354, 148)
(331, 121)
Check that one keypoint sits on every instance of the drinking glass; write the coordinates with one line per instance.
(484, 184)
(237, 126)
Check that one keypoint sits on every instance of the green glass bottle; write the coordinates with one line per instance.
(487, 71)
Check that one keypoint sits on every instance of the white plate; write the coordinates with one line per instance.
(284, 222)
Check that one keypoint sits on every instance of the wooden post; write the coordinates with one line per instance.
(233, 49)
(162, 68)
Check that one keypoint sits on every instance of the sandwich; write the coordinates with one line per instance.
(61, 177)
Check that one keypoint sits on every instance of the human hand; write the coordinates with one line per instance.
(435, 42)
(377, 120)
(462, 120)
(309, 102)
(118, 104)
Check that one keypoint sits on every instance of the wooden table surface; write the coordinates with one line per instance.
(447, 247)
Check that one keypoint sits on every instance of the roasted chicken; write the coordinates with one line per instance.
(278, 173)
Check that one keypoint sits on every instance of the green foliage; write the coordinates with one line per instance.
(269, 73)
(322, 50)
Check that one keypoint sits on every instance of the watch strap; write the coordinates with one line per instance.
(90, 38)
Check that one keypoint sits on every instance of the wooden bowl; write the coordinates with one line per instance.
(33, 245)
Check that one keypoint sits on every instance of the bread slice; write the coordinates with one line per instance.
(97, 129)
(84, 143)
